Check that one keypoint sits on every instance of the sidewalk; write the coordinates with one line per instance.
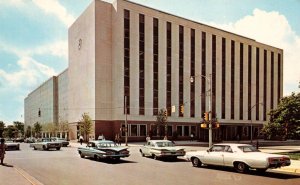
(10, 176)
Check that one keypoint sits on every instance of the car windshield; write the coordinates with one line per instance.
(164, 144)
(248, 148)
(105, 144)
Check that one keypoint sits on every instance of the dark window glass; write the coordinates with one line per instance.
(181, 58)
(192, 93)
(203, 72)
(214, 74)
(126, 61)
(265, 86)
(223, 76)
(142, 63)
(249, 80)
(272, 80)
(241, 79)
(279, 78)
(257, 83)
(232, 77)
(169, 66)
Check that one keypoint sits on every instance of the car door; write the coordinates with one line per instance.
(146, 148)
(229, 156)
(214, 156)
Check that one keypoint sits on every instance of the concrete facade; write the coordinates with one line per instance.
(96, 74)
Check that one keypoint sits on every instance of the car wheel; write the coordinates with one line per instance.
(96, 158)
(241, 167)
(34, 148)
(81, 155)
(143, 155)
(196, 162)
(57, 148)
(155, 157)
(44, 147)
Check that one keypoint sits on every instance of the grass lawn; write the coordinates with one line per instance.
(294, 156)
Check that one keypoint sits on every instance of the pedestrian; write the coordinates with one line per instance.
(116, 140)
(192, 137)
(148, 138)
(81, 139)
(101, 137)
(2, 150)
(165, 138)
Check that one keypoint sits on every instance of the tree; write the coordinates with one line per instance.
(285, 120)
(19, 126)
(51, 128)
(161, 122)
(2, 126)
(37, 127)
(28, 132)
(85, 125)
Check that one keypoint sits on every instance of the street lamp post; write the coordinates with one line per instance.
(208, 80)
(251, 125)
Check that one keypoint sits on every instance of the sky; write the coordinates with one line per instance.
(34, 37)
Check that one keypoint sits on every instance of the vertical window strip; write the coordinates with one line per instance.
(213, 83)
(192, 98)
(223, 77)
(181, 66)
(169, 66)
(241, 80)
(272, 80)
(249, 80)
(203, 73)
(155, 66)
(265, 86)
(232, 78)
(141, 64)
(279, 78)
(127, 60)
(257, 84)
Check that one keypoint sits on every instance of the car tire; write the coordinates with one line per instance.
(196, 162)
(241, 167)
(96, 157)
(81, 155)
(155, 157)
(44, 147)
(34, 148)
(57, 148)
(143, 155)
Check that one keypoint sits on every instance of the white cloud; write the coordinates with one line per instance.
(56, 48)
(55, 8)
(272, 28)
(29, 74)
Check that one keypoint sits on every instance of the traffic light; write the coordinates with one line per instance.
(165, 113)
(203, 125)
(206, 116)
(181, 109)
(217, 124)
(39, 113)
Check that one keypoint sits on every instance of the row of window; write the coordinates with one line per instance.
(203, 72)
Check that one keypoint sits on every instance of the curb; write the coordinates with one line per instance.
(291, 170)
(28, 177)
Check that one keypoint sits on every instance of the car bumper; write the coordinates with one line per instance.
(279, 164)
(115, 156)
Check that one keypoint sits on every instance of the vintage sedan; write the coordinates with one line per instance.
(161, 149)
(242, 157)
(45, 144)
(63, 141)
(10, 145)
(103, 149)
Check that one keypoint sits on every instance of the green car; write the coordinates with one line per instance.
(103, 149)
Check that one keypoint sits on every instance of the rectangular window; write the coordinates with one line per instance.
(241, 80)
(214, 74)
(192, 102)
(232, 78)
(169, 67)
(170, 130)
(126, 62)
(203, 73)
(249, 80)
(155, 66)
(257, 83)
(142, 64)
(181, 70)
(133, 130)
(143, 130)
(223, 76)
(179, 130)
(265, 86)
(186, 130)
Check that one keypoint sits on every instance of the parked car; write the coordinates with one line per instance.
(30, 140)
(242, 157)
(45, 144)
(10, 145)
(63, 141)
(160, 149)
(103, 149)
(19, 139)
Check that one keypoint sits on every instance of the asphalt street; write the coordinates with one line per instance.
(65, 167)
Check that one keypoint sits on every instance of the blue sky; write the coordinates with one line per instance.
(34, 33)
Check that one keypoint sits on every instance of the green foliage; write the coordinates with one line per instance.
(85, 125)
(10, 132)
(37, 127)
(19, 126)
(161, 122)
(2, 126)
(285, 120)
(28, 131)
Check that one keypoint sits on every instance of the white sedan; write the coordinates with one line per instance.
(240, 156)
(161, 149)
